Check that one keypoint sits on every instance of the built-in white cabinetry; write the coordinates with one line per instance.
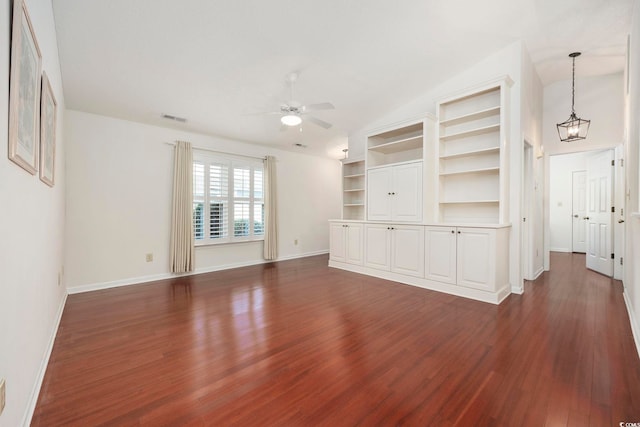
(396, 248)
(468, 256)
(353, 189)
(346, 242)
(472, 155)
(395, 193)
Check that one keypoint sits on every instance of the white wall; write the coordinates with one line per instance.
(599, 99)
(31, 237)
(561, 168)
(119, 197)
(632, 235)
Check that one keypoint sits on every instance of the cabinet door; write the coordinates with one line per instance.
(377, 246)
(407, 250)
(355, 243)
(337, 242)
(379, 194)
(440, 259)
(476, 258)
(407, 193)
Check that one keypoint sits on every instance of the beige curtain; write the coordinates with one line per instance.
(182, 241)
(270, 209)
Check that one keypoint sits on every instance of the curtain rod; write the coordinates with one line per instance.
(173, 144)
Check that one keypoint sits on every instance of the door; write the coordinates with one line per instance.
(476, 258)
(579, 212)
(377, 246)
(355, 243)
(407, 193)
(379, 189)
(440, 259)
(337, 243)
(599, 203)
(407, 250)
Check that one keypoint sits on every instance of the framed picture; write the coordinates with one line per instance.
(48, 107)
(24, 92)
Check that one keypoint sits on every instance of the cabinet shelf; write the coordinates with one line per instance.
(471, 132)
(470, 153)
(493, 111)
(357, 175)
(480, 170)
(353, 190)
(459, 202)
(404, 144)
(353, 204)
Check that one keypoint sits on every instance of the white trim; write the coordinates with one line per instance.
(35, 392)
(635, 326)
(519, 290)
(559, 250)
(538, 273)
(164, 276)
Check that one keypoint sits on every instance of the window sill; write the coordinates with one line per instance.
(227, 242)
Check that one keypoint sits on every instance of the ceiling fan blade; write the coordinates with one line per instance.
(319, 122)
(317, 107)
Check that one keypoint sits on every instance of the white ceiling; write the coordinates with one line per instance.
(217, 62)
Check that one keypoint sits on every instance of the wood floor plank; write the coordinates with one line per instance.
(296, 343)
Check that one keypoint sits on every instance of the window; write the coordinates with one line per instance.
(228, 200)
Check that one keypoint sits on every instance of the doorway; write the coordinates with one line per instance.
(581, 207)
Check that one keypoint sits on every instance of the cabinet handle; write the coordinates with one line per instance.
(586, 217)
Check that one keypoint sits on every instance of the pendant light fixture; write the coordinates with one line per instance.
(574, 128)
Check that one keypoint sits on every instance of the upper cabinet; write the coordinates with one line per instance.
(472, 155)
(353, 189)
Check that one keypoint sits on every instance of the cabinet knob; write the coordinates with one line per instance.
(393, 194)
(389, 193)
(453, 232)
(458, 232)
(586, 217)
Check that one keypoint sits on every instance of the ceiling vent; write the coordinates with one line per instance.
(174, 118)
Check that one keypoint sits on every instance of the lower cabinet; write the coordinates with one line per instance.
(465, 256)
(346, 242)
(396, 248)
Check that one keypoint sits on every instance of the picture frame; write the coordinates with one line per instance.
(48, 115)
(24, 91)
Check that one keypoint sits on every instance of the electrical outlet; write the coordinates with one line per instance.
(295, 242)
(149, 257)
(59, 278)
(2, 395)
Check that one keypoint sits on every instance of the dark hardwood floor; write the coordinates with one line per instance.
(296, 343)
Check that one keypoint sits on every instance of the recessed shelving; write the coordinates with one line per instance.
(471, 132)
(470, 153)
(397, 145)
(353, 178)
(410, 143)
(479, 170)
(492, 111)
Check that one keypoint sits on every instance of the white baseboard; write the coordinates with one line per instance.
(538, 273)
(35, 392)
(163, 276)
(635, 326)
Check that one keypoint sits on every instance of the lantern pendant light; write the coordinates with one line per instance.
(574, 128)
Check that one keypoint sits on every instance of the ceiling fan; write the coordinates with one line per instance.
(293, 112)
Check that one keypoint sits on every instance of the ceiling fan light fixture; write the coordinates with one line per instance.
(574, 128)
(291, 119)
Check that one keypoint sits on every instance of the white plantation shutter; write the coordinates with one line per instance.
(218, 201)
(228, 200)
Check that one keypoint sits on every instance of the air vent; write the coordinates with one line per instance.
(174, 118)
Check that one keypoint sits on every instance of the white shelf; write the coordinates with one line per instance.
(405, 144)
(358, 175)
(353, 189)
(493, 111)
(480, 170)
(471, 153)
(471, 132)
(466, 202)
(353, 204)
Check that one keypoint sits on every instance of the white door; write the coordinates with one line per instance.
(337, 243)
(406, 195)
(355, 243)
(377, 246)
(599, 203)
(579, 212)
(440, 259)
(379, 189)
(407, 250)
(476, 258)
